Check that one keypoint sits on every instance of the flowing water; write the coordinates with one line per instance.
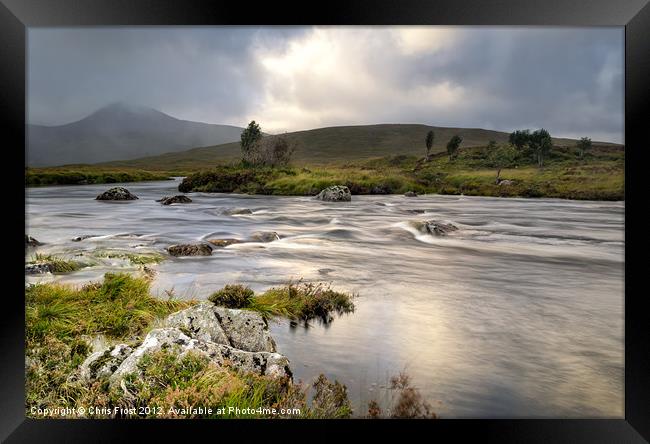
(519, 313)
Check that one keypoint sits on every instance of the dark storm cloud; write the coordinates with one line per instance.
(567, 80)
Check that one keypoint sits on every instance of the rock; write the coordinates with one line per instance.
(104, 362)
(173, 339)
(380, 189)
(439, 228)
(505, 182)
(116, 193)
(41, 268)
(31, 242)
(264, 236)
(190, 250)
(411, 194)
(336, 193)
(168, 200)
(82, 237)
(236, 211)
(199, 322)
(245, 329)
(223, 242)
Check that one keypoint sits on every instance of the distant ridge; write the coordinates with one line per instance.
(338, 144)
(120, 131)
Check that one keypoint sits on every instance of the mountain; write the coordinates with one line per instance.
(120, 131)
(335, 145)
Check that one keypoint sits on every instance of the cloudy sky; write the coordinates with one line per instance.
(568, 80)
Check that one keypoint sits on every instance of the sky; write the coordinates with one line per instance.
(567, 80)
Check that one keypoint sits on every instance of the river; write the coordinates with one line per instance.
(519, 313)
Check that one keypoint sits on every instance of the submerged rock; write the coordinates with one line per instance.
(190, 250)
(223, 242)
(168, 200)
(439, 228)
(82, 237)
(264, 236)
(237, 211)
(336, 193)
(31, 242)
(411, 194)
(116, 193)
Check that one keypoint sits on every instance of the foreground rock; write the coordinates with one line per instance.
(435, 228)
(116, 193)
(239, 339)
(168, 200)
(190, 250)
(31, 242)
(223, 242)
(336, 193)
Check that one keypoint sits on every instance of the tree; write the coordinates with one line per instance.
(249, 137)
(503, 156)
(271, 151)
(452, 146)
(429, 142)
(584, 145)
(519, 139)
(540, 143)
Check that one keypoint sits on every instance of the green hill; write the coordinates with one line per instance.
(333, 145)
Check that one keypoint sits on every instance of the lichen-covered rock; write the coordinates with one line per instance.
(223, 242)
(168, 200)
(173, 339)
(411, 194)
(336, 193)
(104, 362)
(39, 268)
(264, 236)
(246, 330)
(199, 322)
(236, 211)
(116, 193)
(31, 242)
(190, 250)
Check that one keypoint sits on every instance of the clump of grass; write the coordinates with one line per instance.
(330, 400)
(56, 264)
(135, 259)
(233, 296)
(296, 301)
(408, 404)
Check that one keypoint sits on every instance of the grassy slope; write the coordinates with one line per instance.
(600, 176)
(333, 145)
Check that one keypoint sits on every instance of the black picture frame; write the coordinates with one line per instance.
(17, 15)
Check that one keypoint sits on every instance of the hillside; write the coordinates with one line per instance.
(118, 132)
(333, 145)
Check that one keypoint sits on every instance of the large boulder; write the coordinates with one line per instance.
(245, 329)
(199, 322)
(435, 228)
(168, 200)
(116, 193)
(190, 250)
(336, 193)
(174, 340)
(104, 362)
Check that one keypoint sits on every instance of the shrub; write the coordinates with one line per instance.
(233, 296)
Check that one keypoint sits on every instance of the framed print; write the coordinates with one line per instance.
(374, 215)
